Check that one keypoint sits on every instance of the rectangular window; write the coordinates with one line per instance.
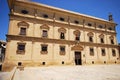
(90, 39)
(91, 51)
(103, 52)
(21, 48)
(22, 31)
(112, 41)
(62, 36)
(44, 34)
(44, 48)
(62, 48)
(102, 40)
(77, 38)
(113, 53)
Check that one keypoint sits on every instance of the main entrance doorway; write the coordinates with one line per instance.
(78, 60)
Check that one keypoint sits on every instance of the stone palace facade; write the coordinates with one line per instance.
(43, 35)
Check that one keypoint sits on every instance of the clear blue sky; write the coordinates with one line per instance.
(97, 8)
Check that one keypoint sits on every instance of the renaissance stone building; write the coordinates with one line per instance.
(43, 35)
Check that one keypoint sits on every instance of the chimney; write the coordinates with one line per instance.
(110, 17)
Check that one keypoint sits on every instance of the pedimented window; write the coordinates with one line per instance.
(77, 35)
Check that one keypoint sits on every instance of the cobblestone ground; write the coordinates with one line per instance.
(88, 72)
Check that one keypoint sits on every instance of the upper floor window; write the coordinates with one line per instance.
(45, 16)
(22, 31)
(45, 29)
(102, 40)
(92, 51)
(110, 28)
(89, 24)
(77, 35)
(101, 36)
(62, 32)
(21, 48)
(62, 19)
(45, 33)
(90, 35)
(62, 36)
(76, 22)
(24, 11)
(112, 41)
(90, 39)
(103, 52)
(100, 26)
(23, 27)
(113, 52)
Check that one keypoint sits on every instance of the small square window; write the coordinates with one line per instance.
(109, 28)
(44, 47)
(89, 24)
(24, 11)
(62, 19)
(100, 26)
(76, 22)
(45, 16)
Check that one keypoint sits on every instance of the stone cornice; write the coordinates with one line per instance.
(58, 10)
(58, 24)
(56, 41)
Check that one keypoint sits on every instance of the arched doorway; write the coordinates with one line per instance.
(77, 54)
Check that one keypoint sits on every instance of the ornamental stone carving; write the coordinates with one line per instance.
(44, 26)
(101, 36)
(63, 30)
(90, 34)
(76, 32)
(23, 24)
(77, 48)
(111, 37)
